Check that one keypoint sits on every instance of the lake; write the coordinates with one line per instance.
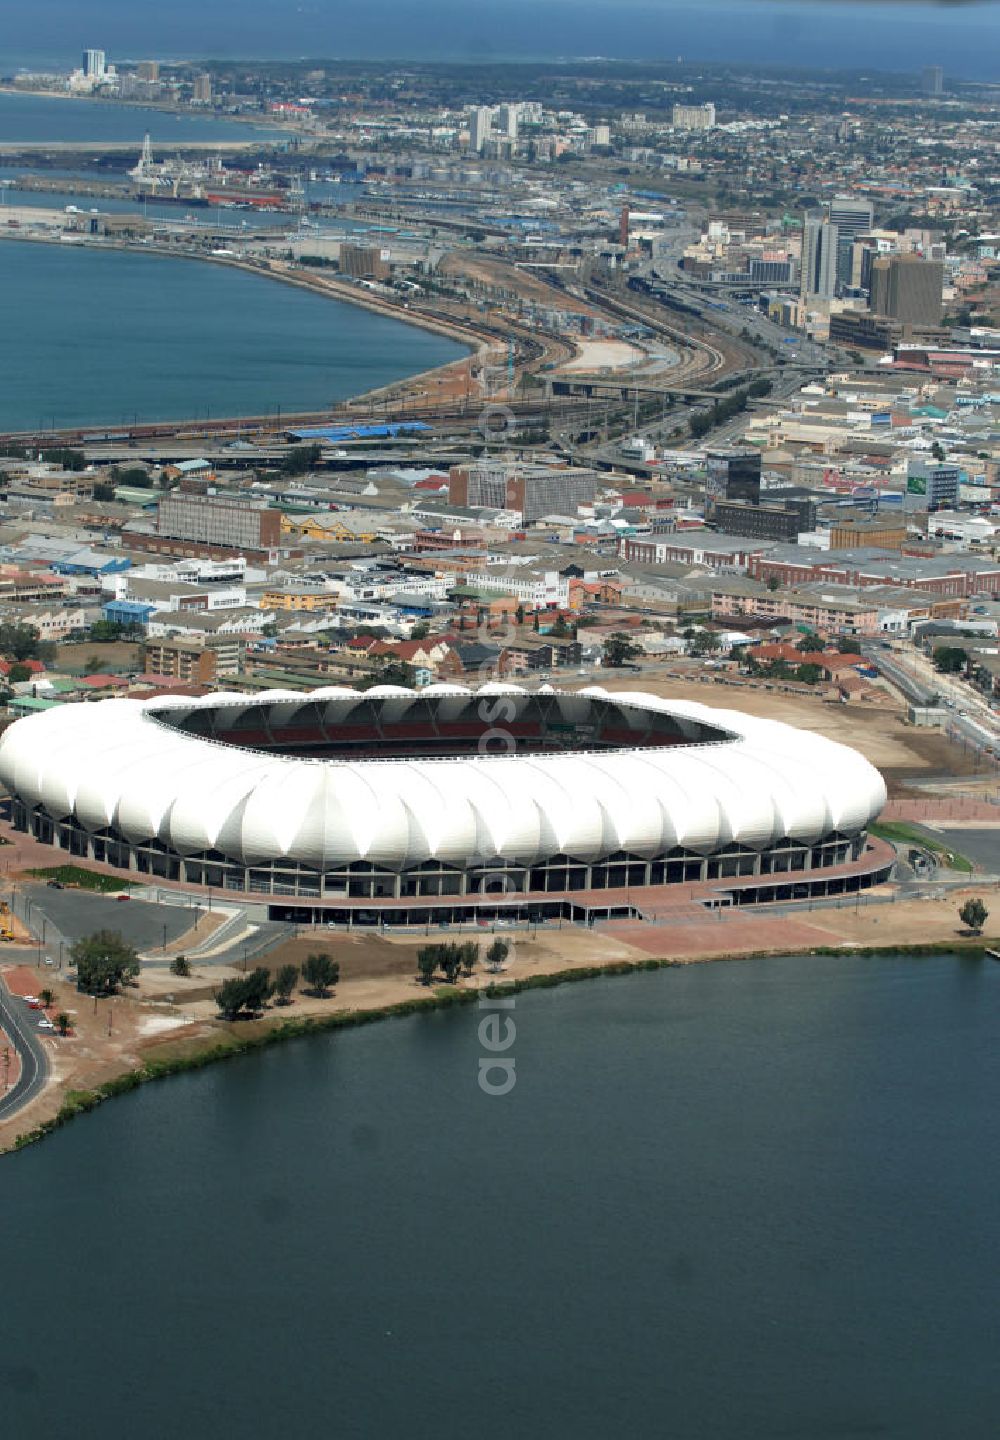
(92, 337)
(723, 1202)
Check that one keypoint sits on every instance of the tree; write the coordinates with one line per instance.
(65, 458)
(103, 492)
(619, 650)
(950, 659)
(19, 673)
(389, 670)
(258, 989)
(496, 955)
(46, 997)
(103, 962)
(244, 994)
(104, 631)
(937, 450)
(469, 956)
(63, 1022)
(92, 665)
(705, 642)
(450, 962)
(809, 674)
(974, 915)
(427, 963)
(285, 982)
(135, 476)
(773, 583)
(180, 965)
(420, 631)
(229, 998)
(19, 641)
(320, 974)
(300, 460)
(560, 630)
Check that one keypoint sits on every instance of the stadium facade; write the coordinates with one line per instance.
(393, 799)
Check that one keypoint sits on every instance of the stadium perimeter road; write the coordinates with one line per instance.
(69, 914)
(16, 1023)
(982, 847)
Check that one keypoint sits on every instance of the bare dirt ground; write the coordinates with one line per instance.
(905, 754)
(117, 656)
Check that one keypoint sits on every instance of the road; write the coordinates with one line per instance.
(14, 1020)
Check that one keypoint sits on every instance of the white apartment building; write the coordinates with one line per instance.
(693, 117)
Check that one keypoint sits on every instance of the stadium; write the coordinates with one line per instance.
(403, 805)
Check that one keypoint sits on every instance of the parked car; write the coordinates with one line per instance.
(56, 885)
(123, 896)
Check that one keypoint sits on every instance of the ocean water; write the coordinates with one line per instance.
(120, 338)
(53, 119)
(884, 34)
(747, 1201)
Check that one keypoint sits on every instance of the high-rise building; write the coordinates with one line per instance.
(932, 80)
(907, 288)
(94, 64)
(693, 117)
(733, 475)
(930, 486)
(148, 70)
(852, 217)
(480, 125)
(819, 257)
(507, 118)
(201, 89)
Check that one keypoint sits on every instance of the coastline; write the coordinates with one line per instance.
(264, 121)
(324, 287)
(234, 1040)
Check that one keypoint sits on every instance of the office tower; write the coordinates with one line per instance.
(201, 88)
(148, 70)
(507, 118)
(94, 64)
(733, 475)
(933, 80)
(864, 249)
(819, 257)
(852, 217)
(934, 486)
(480, 125)
(906, 288)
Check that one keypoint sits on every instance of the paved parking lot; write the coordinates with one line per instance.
(77, 912)
(982, 847)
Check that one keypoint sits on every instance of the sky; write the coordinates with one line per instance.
(873, 34)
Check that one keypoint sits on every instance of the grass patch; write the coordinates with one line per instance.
(74, 877)
(902, 834)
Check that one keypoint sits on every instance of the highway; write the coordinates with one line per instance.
(15, 1023)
